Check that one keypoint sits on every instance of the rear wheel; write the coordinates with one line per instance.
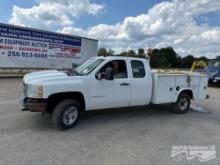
(66, 114)
(182, 104)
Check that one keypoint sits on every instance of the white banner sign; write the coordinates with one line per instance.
(27, 48)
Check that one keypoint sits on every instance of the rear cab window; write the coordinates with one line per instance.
(138, 69)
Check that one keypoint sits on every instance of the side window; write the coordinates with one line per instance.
(137, 69)
(119, 68)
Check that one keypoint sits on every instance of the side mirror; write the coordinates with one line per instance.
(99, 76)
(109, 75)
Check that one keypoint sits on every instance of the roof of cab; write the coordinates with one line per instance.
(121, 56)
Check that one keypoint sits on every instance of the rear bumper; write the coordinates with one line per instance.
(33, 105)
(214, 80)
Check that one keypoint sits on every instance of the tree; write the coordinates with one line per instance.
(141, 52)
(161, 58)
(170, 55)
(218, 57)
(203, 58)
(188, 61)
(154, 58)
(164, 57)
(131, 53)
(102, 52)
(110, 52)
(124, 53)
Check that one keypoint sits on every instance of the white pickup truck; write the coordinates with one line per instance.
(106, 83)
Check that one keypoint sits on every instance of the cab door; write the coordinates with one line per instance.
(114, 93)
(141, 83)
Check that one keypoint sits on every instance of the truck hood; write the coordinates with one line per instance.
(42, 77)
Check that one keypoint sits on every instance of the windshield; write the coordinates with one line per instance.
(88, 66)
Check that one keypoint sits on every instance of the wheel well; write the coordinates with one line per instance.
(189, 92)
(54, 99)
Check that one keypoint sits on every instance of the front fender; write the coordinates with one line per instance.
(51, 89)
(80, 85)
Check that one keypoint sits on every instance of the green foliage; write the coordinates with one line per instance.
(131, 53)
(161, 58)
(141, 52)
(187, 61)
(123, 53)
(164, 57)
(105, 52)
(110, 52)
(102, 52)
(168, 58)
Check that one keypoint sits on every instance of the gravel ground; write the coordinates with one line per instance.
(127, 136)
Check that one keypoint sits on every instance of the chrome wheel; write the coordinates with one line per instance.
(70, 115)
(183, 104)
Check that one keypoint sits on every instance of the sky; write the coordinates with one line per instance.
(190, 27)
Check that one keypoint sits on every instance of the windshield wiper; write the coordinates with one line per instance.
(73, 73)
(77, 73)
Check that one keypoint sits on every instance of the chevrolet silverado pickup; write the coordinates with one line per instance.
(108, 83)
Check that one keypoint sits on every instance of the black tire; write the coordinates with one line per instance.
(210, 82)
(66, 114)
(182, 104)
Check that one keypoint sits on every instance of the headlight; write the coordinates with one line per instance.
(35, 91)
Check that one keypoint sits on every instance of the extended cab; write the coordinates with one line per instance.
(105, 83)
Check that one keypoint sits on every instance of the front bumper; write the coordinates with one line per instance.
(33, 105)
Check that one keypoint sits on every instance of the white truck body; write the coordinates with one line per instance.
(156, 88)
(165, 86)
(105, 83)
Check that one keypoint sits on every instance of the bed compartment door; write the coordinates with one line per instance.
(164, 89)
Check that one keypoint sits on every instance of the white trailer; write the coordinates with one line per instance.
(22, 47)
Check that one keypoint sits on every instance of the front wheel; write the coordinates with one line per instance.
(182, 104)
(66, 114)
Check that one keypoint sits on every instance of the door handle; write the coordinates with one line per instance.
(124, 84)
